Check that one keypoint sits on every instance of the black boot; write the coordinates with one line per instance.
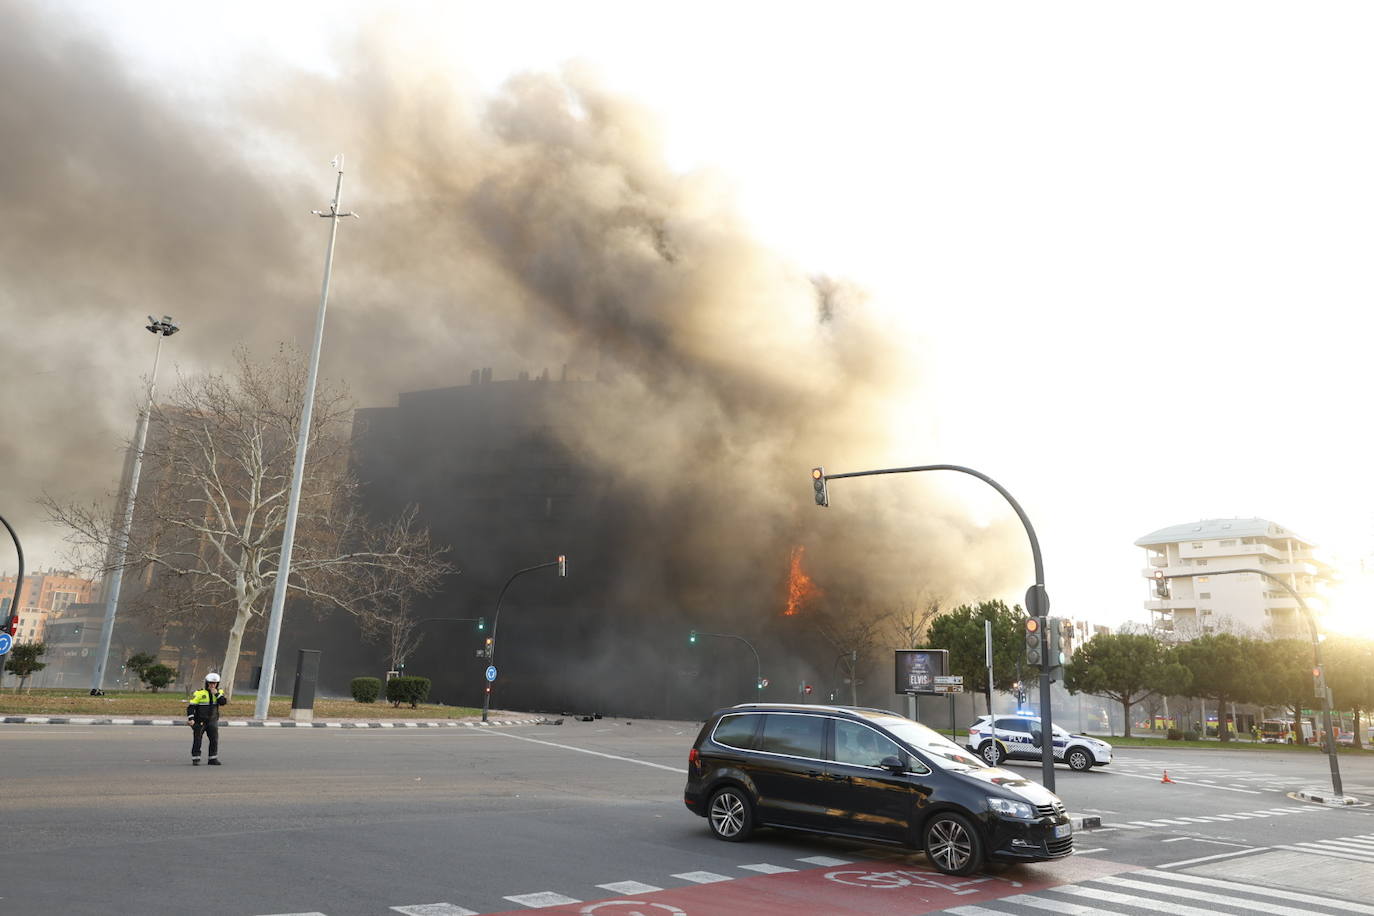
(213, 761)
(195, 761)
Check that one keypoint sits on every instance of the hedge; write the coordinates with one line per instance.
(366, 689)
(412, 690)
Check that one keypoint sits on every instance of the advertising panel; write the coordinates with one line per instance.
(917, 669)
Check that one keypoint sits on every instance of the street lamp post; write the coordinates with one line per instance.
(562, 564)
(162, 328)
(758, 666)
(1037, 600)
(269, 652)
(1336, 785)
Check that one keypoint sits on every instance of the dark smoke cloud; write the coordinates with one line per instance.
(539, 227)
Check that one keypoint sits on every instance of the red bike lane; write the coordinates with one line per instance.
(859, 889)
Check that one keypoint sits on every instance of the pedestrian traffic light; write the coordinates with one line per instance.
(1161, 585)
(562, 565)
(1034, 648)
(692, 637)
(818, 481)
(481, 624)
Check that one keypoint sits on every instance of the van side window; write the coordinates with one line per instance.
(861, 745)
(737, 731)
(795, 735)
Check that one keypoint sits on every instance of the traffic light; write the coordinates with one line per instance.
(1161, 585)
(818, 481)
(481, 624)
(1034, 648)
(490, 642)
(1055, 655)
(562, 565)
(692, 637)
(1319, 682)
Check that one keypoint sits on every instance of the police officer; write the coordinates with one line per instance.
(202, 714)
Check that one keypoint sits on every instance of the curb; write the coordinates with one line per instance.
(1085, 821)
(270, 723)
(1326, 798)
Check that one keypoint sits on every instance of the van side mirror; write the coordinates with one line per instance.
(893, 764)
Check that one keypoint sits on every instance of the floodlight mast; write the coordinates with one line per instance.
(269, 652)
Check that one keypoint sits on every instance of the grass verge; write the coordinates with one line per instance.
(126, 704)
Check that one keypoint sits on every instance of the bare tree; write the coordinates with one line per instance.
(854, 631)
(910, 622)
(209, 520)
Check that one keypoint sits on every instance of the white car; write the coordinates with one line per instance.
(1018, 738)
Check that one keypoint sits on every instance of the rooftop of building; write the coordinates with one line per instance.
(1214, 528)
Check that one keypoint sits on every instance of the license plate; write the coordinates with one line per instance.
(1062, 831)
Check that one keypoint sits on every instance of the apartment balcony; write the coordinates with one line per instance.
(1170, 605)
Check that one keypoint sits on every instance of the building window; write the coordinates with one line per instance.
(1201, 562)
(1204, 595)
(1197, 546)
(1203, 578)
(1231, 542)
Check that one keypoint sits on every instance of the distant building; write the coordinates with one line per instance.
(1207, 599)
(44, 595)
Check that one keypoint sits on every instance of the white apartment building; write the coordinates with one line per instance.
(1208, 599)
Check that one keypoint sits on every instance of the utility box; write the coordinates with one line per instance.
(303, 695)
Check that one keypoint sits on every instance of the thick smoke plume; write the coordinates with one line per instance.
(538, 227)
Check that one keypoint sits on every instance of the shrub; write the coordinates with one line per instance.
(412, 690)
(158, 676)
(1190, 736)
(366, 689)
(1175, 735)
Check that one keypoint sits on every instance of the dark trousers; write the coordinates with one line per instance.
(207, 728)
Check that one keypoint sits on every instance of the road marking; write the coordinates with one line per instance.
(628, 888)
(1187, 782)
(702, 877)
(541, 900)
(583, 750)
(825, 861)
(1220, 855)
(975, 911)
(433, 909)
(1319, 850)
(764, 868)
(1192, 893)
(1054, 906)
(1220, 884)
(1084, 852)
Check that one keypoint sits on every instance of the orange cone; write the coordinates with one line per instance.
(1166, 777)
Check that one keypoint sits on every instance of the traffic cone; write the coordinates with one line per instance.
(1166, 777)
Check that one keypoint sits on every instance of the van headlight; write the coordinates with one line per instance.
(1011, 808)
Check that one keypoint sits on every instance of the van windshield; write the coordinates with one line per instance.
(935, 747)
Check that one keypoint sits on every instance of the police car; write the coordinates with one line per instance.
(1018, 738)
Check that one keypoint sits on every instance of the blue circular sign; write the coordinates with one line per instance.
(491, 673)
(6, 640)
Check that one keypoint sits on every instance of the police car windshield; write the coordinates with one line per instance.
(936, 748)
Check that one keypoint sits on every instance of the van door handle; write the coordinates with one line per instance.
(837, 777)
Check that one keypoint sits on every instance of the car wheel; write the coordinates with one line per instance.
(1079, 759)
(993, 754)
(731, 814)
(953, 845)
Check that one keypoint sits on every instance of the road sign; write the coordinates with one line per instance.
(949, 679)
(491, 672)
(6, 640)
(948, 688)
(763, 682)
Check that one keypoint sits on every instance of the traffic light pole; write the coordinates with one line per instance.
(1317, 669)
(561, 563)
(1037, 600)
(758, 666)
(10, 627)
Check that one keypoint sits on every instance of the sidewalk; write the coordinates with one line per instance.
(497, 718)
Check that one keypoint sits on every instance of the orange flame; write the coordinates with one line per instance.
(800, 587)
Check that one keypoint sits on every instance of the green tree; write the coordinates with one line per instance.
(158, 676)
(1286, 675)
(23, 660)
(961, 632)
(1348, 662)
(1126, 667)
(140, 662)
(1224, 670)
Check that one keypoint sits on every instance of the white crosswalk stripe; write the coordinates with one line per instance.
(1156, 891)
(542, 899)
(628, 888)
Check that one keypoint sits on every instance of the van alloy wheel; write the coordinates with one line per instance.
(730, 814)
(952, 845)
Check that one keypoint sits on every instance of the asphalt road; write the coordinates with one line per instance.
(113, 819)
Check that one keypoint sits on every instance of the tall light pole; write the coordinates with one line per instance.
(162, 328)
(269, 652)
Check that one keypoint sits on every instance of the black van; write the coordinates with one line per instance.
(868, 774)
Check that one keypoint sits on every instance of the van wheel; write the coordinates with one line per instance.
(993, 754)
(953, 845)
(1079, 759)
(731, 815)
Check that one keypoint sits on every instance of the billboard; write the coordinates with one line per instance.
(917, 669)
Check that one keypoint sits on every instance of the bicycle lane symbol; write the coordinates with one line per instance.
(914, 878)
(658, 909)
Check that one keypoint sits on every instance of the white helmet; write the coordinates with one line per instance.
(212, 678)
